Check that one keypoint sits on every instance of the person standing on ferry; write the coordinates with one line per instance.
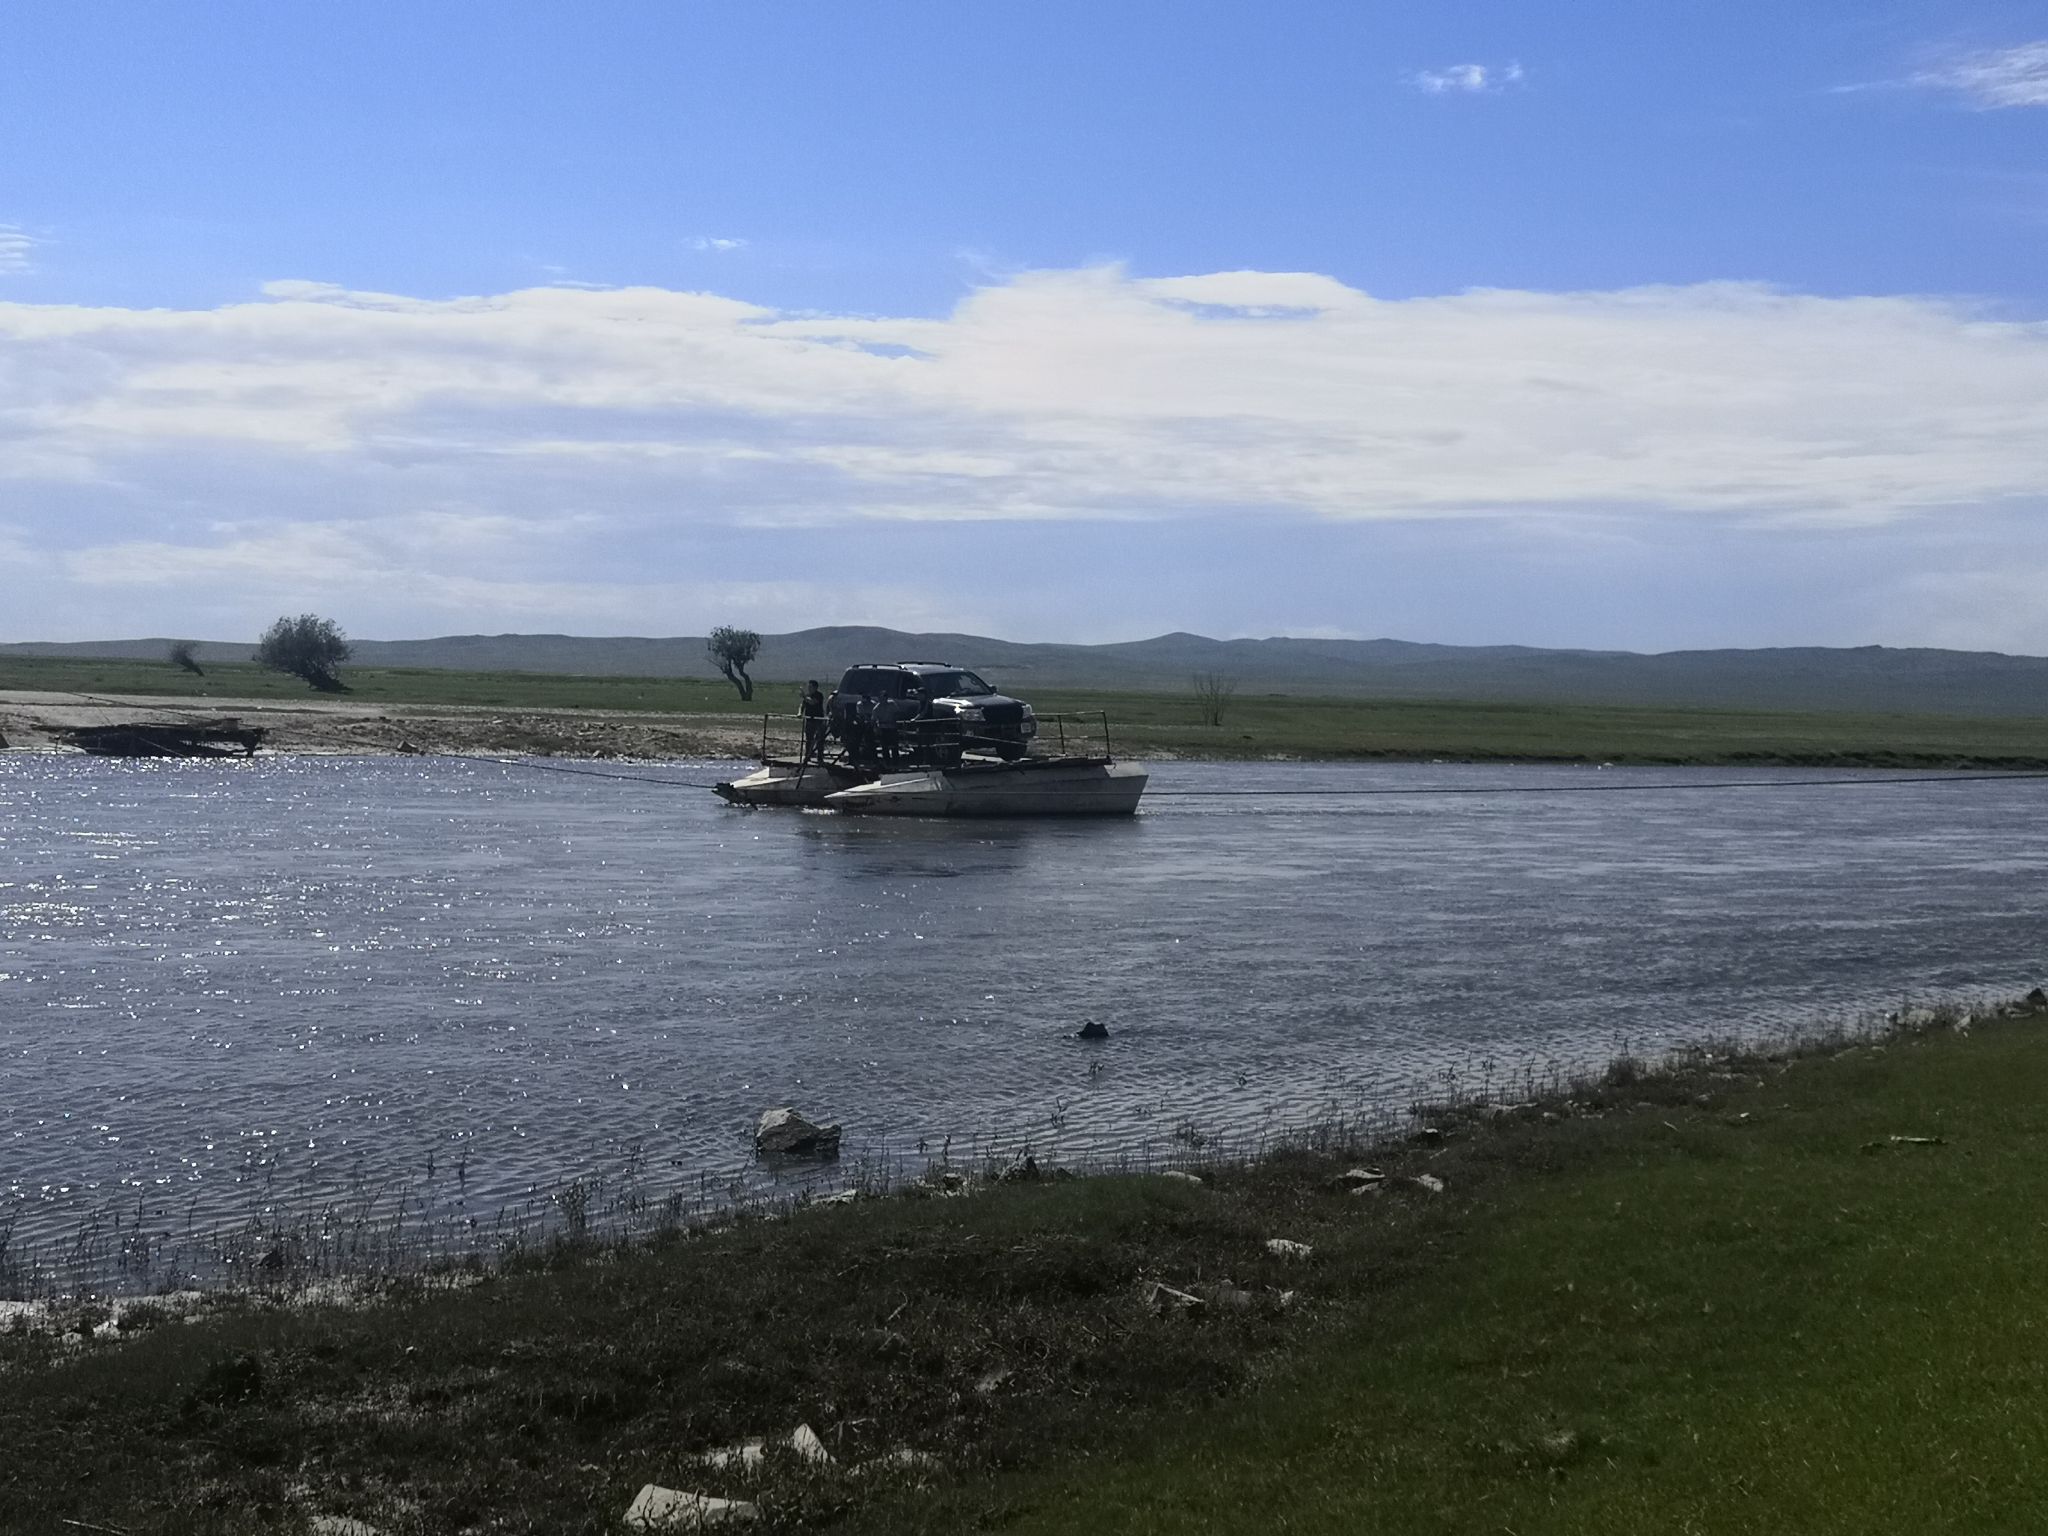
(813, 711)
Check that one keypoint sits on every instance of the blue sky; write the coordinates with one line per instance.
(1602, 324)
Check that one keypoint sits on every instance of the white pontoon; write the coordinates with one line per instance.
(1032, 786)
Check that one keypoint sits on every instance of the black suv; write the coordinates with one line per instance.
(926, 712)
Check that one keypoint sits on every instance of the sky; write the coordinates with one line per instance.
(1609, 325)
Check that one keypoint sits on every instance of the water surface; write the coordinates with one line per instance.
(223, 986)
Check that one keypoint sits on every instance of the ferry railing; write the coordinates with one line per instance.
(935, 742)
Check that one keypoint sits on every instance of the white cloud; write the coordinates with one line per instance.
(16, 246)
(2003, 77)
(440, 572)
(1065, 394)
(716, 243)
(1467, 79)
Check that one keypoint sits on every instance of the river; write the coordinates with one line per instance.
(234, 993)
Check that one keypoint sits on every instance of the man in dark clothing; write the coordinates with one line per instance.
(813, 711)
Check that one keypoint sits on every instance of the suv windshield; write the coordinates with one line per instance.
(954, 685)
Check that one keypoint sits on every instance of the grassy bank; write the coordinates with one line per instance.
(1166, 724)
(1720, 1298)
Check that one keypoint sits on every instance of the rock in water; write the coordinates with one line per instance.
(785, 1133)
(1090, 1030)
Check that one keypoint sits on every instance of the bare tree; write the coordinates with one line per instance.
(181, 658)
(1213, 693)
(309, 647)
(731, 649)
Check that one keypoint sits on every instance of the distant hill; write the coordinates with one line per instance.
(1865, 678)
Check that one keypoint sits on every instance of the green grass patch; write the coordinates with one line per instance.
(1722, 1299)
(1787, 1322)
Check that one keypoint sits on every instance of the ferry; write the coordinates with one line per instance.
(1068, 770)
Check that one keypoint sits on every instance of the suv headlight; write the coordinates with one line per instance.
(968, 713)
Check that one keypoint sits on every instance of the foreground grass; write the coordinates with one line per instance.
(1267, 725)
(1786, 1323)
(1721, 1300)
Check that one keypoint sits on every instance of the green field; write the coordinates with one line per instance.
(1723, 1300)
(1254, 726)
(1284, 725)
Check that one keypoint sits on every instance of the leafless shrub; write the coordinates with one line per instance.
(1213, 693)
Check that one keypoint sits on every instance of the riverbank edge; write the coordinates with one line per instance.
(707, 753)
(1177, 1269)
(316, 727)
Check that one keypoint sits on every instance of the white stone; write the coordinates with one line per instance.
(805, 1442)
(340, 1525)
(668, 1509)
(1284, 1248)
(744, 1458)
(1181, 1176)
(1430, 1182)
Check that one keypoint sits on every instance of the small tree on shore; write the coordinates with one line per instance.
(731, 649)
(1213, 693)
(309, 647)
(181, 658)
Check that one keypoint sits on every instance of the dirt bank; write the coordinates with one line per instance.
(38, 721)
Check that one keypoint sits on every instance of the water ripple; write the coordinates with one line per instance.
(224, 987)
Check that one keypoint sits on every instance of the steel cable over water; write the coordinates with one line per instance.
(1989, 776)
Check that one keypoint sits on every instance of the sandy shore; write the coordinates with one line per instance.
(38, 721)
